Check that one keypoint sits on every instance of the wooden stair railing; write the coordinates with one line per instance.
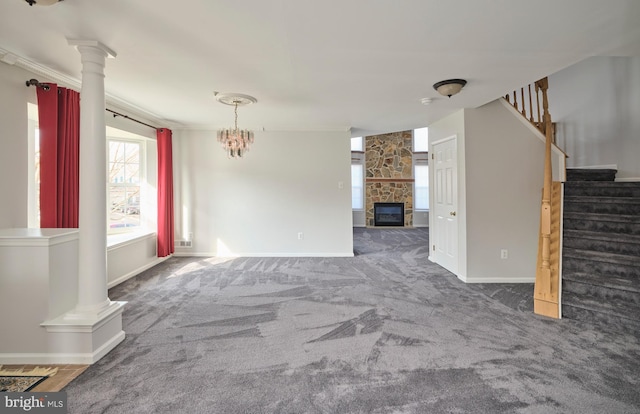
(533, 114)
(547, 283)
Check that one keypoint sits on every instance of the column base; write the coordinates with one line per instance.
(77, 338)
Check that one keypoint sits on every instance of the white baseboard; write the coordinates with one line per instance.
(628, 179)
(500, 280)
(136, 272)
(62, 358)
(211, 254)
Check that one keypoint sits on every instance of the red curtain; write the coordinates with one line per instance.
(59, 125)
(165, 193)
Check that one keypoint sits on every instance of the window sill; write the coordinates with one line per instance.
(115, 241)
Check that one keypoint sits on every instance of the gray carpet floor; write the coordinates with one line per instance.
(386, 331)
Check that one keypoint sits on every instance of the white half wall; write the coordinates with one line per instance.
(595, 104)
(131, 257)
(290, 195)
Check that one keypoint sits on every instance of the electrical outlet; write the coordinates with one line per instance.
(300, 235)
(504, 254)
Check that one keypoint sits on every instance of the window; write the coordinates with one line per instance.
(421, 168)
(357, 194)
(356, 144)
(124, 185)
(33, 173)
(421, 139)
(357, 173)
(421, 187)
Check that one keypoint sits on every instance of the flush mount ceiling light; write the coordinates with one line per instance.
(235, 141)
(449, 87)
(42, 2)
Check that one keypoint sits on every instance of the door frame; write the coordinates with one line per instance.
(432, 217)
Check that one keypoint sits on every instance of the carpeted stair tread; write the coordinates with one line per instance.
(615, 218)
(629, 284)
(602, 199)
(617, 308)
(590, 174)
(602, 188)
(626, 244)
(622, 259)
(601, 236)
(610, 321)
(602, 205)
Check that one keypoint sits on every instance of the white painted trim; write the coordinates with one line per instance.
(595, 167)
(71, 322)
(628, 180)
(107, 347)
(126, 239)
(242, 255)
(500, 280)
(63, 358)
(75, 83)
(136, 272)
(561, 247)
(529, 125)
(26, 237)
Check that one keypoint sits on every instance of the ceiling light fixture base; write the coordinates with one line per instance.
(42, 2)
(234, 99)
(449, 87)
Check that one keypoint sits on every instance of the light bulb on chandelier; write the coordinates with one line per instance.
(236, 142)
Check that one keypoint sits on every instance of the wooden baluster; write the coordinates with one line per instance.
(524, 107)
(515, 100)
(538, 105)
(530, 106)
(507, 98)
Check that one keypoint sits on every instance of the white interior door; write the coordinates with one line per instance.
(445, 204)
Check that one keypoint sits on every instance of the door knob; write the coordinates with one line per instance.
(452, 213)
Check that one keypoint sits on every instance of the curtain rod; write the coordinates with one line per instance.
(115, 114)
(38, 84)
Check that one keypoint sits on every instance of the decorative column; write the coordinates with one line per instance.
(92, 254)
(93, 327)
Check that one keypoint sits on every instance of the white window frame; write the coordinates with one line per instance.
(357, 144)
(141, 184)
(420, 159)
(357, 186)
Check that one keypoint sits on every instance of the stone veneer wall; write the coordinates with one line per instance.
(389, 172)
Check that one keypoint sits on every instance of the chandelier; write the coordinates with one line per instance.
(236, 142)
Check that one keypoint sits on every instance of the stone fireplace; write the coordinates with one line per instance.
(389, 173)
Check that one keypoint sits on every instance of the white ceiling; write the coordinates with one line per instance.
(318, 65)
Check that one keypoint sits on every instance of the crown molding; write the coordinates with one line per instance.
(320, 128)
(112, 101)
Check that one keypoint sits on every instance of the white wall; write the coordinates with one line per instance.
(504, 178)
(256, 206)
(500, 171)
(14, 96)
(359, 218)
(596, 104)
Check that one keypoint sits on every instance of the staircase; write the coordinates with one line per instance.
(601, 249)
